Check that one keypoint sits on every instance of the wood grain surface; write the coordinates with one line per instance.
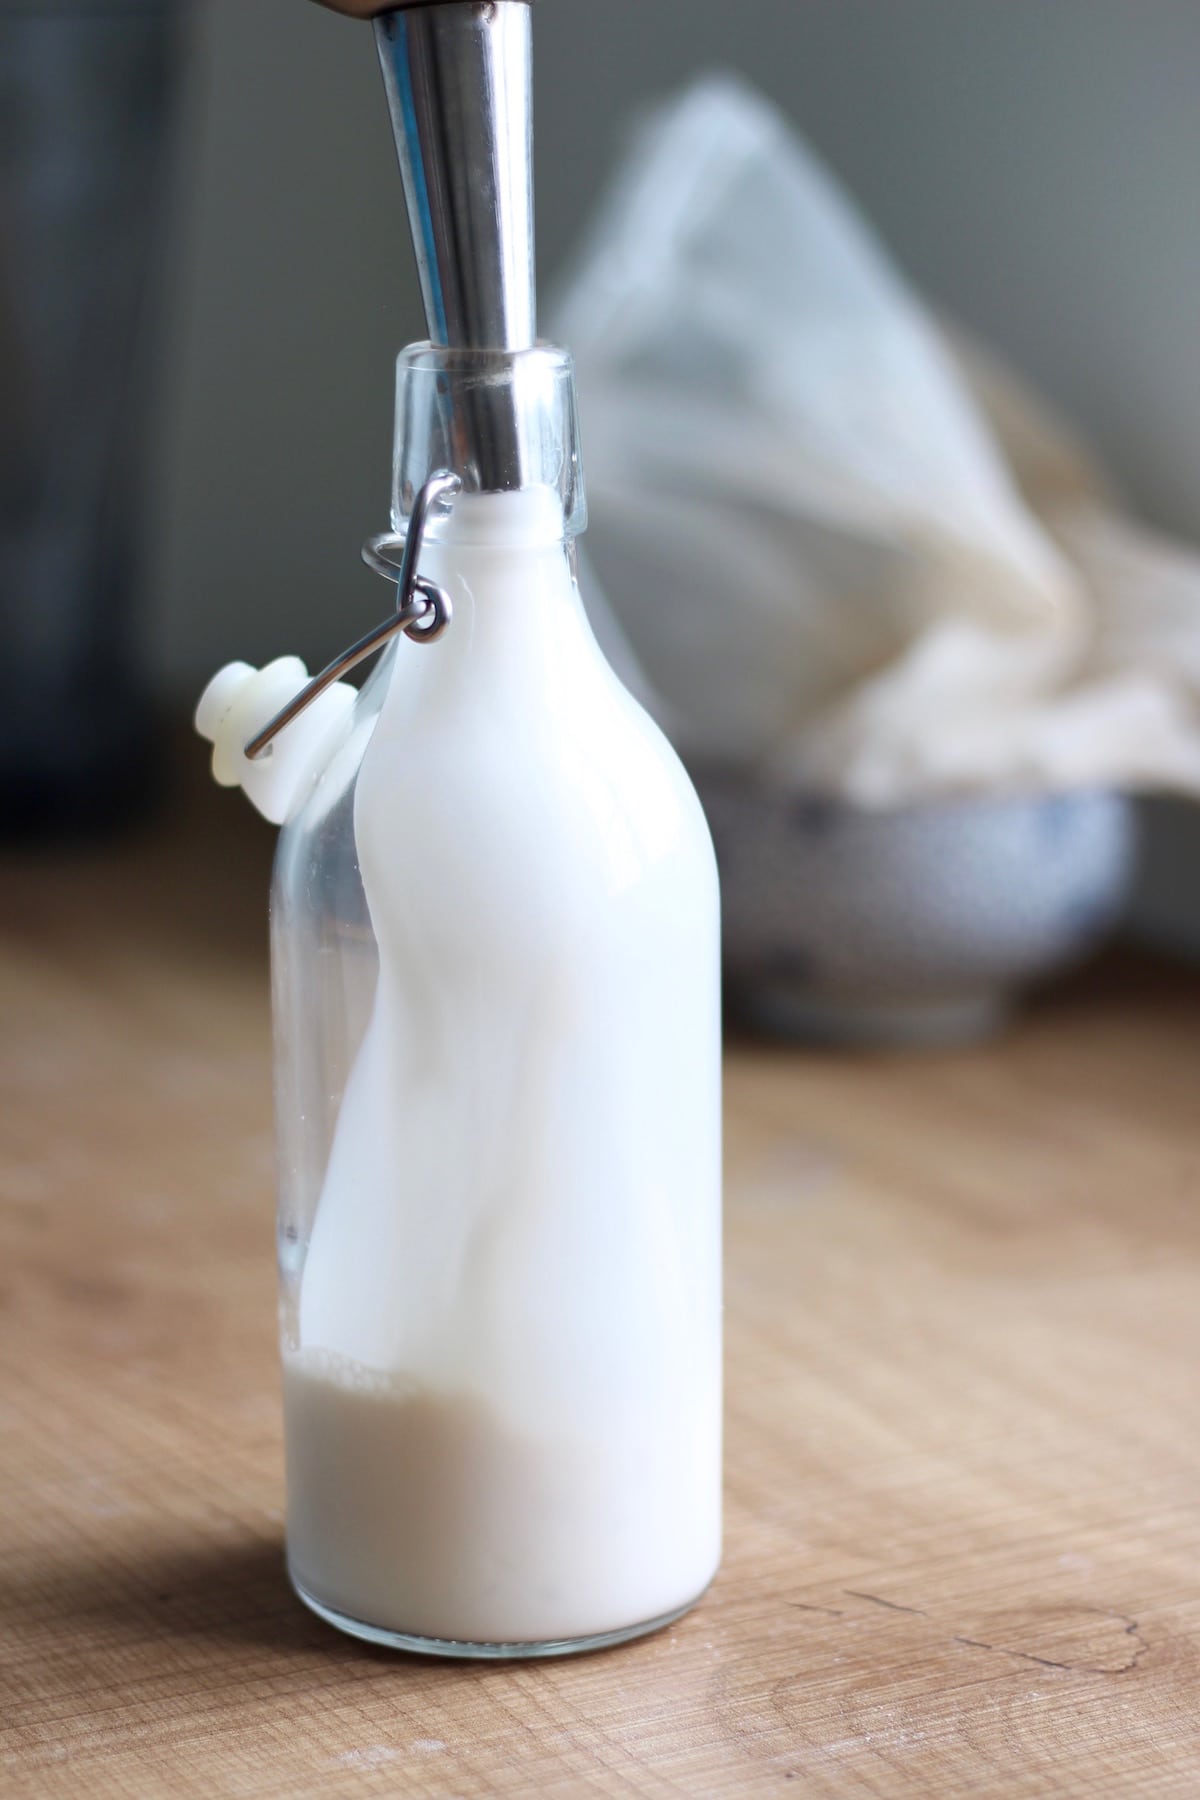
(963, 1549)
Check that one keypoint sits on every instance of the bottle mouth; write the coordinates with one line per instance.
(503, 421)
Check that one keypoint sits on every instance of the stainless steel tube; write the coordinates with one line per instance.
(458, 77)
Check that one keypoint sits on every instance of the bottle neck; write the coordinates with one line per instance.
(505, 562)
(446, 404)
(517, 627)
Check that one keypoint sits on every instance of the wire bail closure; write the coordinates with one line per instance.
(423, 610)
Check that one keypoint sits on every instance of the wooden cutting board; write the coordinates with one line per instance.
(963, 1551)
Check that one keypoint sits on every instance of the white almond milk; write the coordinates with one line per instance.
(503, 1411)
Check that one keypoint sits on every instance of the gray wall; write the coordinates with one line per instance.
(1035, 165)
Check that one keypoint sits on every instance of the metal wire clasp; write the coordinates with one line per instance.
(423, 609)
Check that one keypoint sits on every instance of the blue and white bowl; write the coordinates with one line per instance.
(914, 926)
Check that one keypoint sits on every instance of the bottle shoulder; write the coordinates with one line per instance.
(505, 749)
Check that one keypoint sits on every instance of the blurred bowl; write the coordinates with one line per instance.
(909, 927)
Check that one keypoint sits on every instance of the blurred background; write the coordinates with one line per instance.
(1030, 167)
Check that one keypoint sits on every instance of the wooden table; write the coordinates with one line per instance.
(963, 1549)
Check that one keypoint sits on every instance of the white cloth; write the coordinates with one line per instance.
(844, 548)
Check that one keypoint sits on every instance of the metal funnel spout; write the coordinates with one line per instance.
(458, 80)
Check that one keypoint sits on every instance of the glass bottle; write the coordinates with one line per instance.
(496, 985)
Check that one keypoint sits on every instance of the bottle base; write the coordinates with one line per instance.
(485, 1652)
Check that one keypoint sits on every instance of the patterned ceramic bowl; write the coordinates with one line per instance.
(916, 926)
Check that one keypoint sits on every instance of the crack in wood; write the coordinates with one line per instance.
(892, 1605)
(1082, 1668)
(1129, 1625)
